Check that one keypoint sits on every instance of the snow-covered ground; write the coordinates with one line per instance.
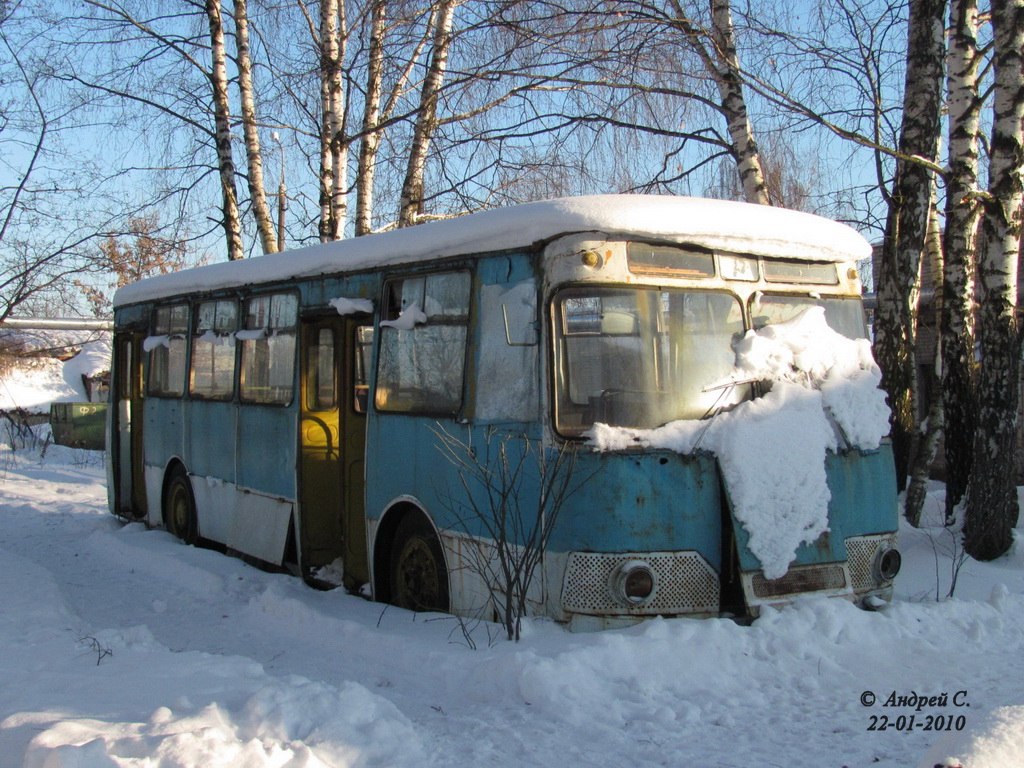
(33, 386)
(123, 647)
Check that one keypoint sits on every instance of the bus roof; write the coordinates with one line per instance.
(716, 224)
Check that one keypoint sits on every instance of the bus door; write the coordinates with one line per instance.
(332, 439)
(126, 434)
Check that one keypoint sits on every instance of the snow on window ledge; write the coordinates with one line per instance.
(407, 319)
(345, 306)
(152, 342)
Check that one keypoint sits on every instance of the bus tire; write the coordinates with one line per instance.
(180, 507)
(419, 579)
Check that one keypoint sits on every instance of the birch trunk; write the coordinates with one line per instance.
(991, 510)
(253, 153)
(934, 426)
(222, 119)
(960, 243)
(906, 225)
(339, 144)
(411, 204)
(717, 52)
(333, 149)
(371, 119)
(734, 106)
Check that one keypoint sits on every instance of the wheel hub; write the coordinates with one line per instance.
(417, 576)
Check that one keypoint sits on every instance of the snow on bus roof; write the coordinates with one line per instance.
(717, 224)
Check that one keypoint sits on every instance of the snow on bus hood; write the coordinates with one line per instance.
(824, 396)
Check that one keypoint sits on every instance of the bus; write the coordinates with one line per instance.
(412, 414)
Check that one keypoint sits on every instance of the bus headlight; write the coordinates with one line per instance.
(887, 564)
(634, 582)
(591, 259)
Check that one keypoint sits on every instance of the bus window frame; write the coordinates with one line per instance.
(812, 300)
(172, 335)
(656, 269)
(194, 335)
(805, 283)
(313, 362)
(558, 334)
(388, 312)
(363, 367)
(292, 330)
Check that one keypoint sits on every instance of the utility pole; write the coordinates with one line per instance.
(282, 195)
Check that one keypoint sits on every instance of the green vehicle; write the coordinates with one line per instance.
(79, 425)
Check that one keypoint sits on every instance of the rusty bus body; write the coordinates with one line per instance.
(322, 409)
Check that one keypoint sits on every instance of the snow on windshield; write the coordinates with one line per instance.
(824, 397)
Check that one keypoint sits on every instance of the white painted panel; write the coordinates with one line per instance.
(259, 526)
(154, 494)
(215, 507)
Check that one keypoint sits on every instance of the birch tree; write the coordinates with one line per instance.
(370, 140)
(332, 39)
(159, 73)
(250, 130)
(717, 51)
(897, 281)
(964, 105)
(218, 76)
(933, 426)
(833, 74)
(991, 508)
(426, 121)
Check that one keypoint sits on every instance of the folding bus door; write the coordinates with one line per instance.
(332, 433)
(126, 435)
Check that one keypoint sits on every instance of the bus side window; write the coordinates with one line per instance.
(507, 375)
(361, 351)
(268, 348)
(213, 350)
(423, 344)
(321, 387)
(166, 348)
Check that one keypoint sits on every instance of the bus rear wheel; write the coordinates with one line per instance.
(419, 580)
(180, 508)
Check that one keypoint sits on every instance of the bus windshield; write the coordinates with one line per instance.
(845, 316)
(643, 357)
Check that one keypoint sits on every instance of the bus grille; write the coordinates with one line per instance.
(860, 555)
(812, 578)
(685, 583)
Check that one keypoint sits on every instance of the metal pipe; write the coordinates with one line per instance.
(59, 323)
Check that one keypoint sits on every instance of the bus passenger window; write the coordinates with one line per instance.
(213, 350)
(320, 372)
(423, 344)
(361, 367)
(166, 347)
(268, 348)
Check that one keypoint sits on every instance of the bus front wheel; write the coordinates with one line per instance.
(180, 508)
(419, 580)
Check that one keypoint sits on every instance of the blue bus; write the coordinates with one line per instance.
(411, 414)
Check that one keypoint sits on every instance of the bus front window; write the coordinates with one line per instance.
(642, 357)
(843, 315)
